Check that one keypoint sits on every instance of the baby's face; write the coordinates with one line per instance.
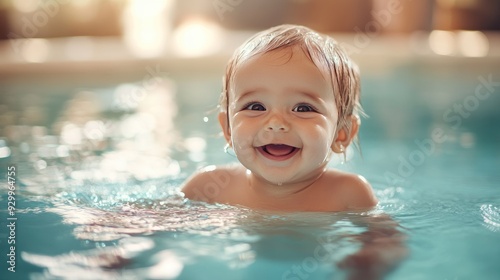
(282, 117)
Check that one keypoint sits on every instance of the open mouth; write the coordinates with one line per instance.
(278, 151)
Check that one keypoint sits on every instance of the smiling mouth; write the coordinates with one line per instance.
(278, 151)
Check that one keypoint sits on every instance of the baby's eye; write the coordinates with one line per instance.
(255, 107)
(304, 108)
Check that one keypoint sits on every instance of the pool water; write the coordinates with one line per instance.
(98, 175)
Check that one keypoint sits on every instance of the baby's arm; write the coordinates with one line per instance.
(383, 248)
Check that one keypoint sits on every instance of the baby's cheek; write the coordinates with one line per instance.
(243, 149)
(242, 142)
(319, 144)
(320, 153)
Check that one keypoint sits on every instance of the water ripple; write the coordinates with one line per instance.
(107, 263)
(491, 217)
(171, 214)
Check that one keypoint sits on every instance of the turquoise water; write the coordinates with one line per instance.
(97, 178)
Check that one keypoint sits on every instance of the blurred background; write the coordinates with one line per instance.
(67, 18)
(81, 30)
(95, 76)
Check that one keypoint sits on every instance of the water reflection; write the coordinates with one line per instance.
(104, 263)
(192, 235)
(4, 150)
(491, 217)
(95, 139)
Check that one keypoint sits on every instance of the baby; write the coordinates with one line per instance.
(290, 100)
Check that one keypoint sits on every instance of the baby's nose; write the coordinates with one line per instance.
(277, 123)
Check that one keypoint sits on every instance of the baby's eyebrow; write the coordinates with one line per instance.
(302, 92)
(308, 94)
(247, 93)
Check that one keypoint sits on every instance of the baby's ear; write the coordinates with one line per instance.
(346, 135)
(224, 124)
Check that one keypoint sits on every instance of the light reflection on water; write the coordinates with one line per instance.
(174, 236)
(147, 229)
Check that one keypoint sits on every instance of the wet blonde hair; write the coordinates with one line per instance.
(332, 61)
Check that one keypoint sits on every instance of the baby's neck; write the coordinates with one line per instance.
(263, 188)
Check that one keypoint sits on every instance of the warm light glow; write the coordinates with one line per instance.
(79, 48)
(146, 26)
(142, 8)
(197, 37)
(473, 43)
(35, 50)
(83, 3)
(464, 4)
(461, 42)
(26, 6)
(442, 42)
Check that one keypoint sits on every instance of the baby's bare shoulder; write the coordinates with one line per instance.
(209, 183)
(355, 191)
